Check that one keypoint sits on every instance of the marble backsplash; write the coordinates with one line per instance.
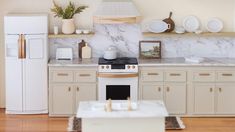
(126, 38)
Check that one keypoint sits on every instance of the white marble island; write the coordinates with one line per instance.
(148, 116)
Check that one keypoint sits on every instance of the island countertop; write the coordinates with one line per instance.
(148, 62)
(145, 109)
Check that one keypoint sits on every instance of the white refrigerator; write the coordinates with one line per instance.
(26, 58)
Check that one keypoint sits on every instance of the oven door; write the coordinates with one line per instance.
(117, 86)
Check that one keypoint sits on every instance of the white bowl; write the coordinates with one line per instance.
(78, 31)
(86, 31)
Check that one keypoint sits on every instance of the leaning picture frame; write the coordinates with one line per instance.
(150, 49)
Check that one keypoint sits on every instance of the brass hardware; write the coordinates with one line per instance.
(62, 74)
(226, 74)
(84, 75)
(167, 89)
(211, 89)
(220, 90)
(20, 47)
(159, 89)
(69, 89)
(117, 75)
(23, 45)
(204, 74)
(153, 74)
(77, 88)
(175, 74)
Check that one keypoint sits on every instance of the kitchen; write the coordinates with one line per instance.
(176, 45)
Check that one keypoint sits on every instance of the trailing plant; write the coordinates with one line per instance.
(68, 12)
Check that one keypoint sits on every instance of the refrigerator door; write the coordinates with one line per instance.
(13, 71)
(35, 74)
(26, 24)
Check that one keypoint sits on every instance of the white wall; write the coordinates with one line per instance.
(150, 9)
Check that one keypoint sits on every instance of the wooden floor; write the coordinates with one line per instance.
(42, 123)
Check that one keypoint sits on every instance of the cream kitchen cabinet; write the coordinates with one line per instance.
(166, 85)
(214, 99)
(68, 86)
(62, 97)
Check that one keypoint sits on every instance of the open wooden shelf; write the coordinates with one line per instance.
(52, 36)
(148, 34)
(205, 34)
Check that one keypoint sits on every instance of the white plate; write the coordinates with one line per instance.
(214, 25)
(191, 23)
(158, 26)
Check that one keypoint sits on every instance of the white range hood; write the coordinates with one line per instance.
(116, 12)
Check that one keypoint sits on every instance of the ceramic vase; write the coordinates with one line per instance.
(68, 26)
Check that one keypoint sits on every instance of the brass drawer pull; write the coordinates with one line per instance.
(69, 89)
(153, 74)
(62, 74)
(168, 89)
(220, 90)
(159, 89)
(211, 90)
(84, 75)
(175, 74)
(204, 74)
(77, 88)
(227, 75)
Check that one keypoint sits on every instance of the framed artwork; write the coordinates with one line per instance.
(150, 49)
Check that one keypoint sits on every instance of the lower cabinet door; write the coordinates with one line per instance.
(152, 92)
(175, 98)
(62, 100)
(225, 99)
(204, 99)
(84, 92)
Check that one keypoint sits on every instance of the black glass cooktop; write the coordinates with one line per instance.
(123, 61)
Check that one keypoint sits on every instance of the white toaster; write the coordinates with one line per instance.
(64, 53)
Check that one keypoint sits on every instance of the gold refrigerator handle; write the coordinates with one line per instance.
(20, 47)
(118, 75)
(23, 43)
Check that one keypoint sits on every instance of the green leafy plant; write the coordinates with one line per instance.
(68, 12)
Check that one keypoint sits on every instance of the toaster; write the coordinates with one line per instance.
(64, 53)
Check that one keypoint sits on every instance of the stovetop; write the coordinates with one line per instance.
(122, 61)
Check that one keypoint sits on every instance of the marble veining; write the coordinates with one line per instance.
(126, 38)
(145, 109)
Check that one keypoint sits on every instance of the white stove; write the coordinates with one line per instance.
(118, 79)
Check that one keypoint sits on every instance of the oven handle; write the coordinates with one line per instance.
(118, 75)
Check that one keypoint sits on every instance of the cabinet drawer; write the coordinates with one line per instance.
(151, 75)
(175, 76)
(204, 76)
(85, 76)
(62, 76)
(225, 76)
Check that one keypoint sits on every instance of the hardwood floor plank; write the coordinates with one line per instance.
(42, 123)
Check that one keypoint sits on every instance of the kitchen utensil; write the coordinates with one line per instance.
(214, 25)
(86, 52)
(110, 53)
(191, 23)
(158, 26)
(170, 22)
(80, 45)
(56, 30)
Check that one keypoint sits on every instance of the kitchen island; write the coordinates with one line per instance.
(148, 116)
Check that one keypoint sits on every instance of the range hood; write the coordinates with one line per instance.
(116, 12)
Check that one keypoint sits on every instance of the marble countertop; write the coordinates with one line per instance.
(74, 62)
(145, 109)
(182, 62)
(149, 62)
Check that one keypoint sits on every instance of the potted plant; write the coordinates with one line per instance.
(68, 25)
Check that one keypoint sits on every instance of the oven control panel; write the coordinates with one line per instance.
(118, 68)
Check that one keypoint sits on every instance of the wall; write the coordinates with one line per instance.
(152, 9)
